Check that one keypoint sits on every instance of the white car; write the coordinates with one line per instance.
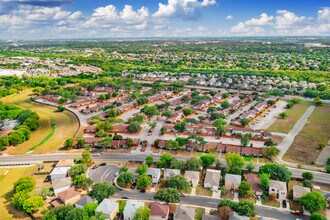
(96, 155)
(117, 174)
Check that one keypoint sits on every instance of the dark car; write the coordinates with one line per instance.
(133, 185)
(182, 195)
(103, 164)
(143, 190)
(154, 185)
(125, 197)
(96, 166)
(284, 203)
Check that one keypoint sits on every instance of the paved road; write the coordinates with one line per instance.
(139, 156)
(210, 203)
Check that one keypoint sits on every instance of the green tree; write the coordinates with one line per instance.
(122, 204)
(307, 176)
(277, 172)
(250, 167)
(264, 181)
(283, 115)
(106, 142)
(245, 189)
(179, 182)
(60, 108)
(313, 201)
(142, 213)
(245, 121)
(207, 161)
(235, 161)
(193, 164)
(144, 181)
(77, 170)
(270, 152)
(316, 216)
(167, 113)
(134, 127)
(81, 181)
(125, 178)
(245, 141)
(225, 104)
(19, 199)
(68, 144)
(149, 160)
(86, 157)
(219, 122)
(101, 191)
(150, 110)
(172, 145)
(26, 184)
(246, 208)
(177, 164)
(165, 160)
(33, 203)
(90, 208)
(187, 111)
(142, 169)
(168, 195)
(318, 101)
(180, 127)
(32, 123)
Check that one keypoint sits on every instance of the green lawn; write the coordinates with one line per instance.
(294, 114)
(203, 192)
(269, 202)
(199, 212)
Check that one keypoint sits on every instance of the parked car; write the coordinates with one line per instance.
(143, 190)
(125, 197)
(296, 212)
(154, 185)
(117, 174)
(103, 164)
(96, 166)
(284, 203)
(133, 185)
(96, 155)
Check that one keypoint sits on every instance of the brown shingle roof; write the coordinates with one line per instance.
(158, 209)
(68, 194)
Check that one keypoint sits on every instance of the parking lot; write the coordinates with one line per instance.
(103, 173)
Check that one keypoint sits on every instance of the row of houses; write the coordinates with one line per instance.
(193, 128)
(117, 128)
(206, 103)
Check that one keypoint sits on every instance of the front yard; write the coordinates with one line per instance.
(269, 202)
(199, 213)
(203, 192)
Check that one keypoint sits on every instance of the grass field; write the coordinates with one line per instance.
(294, 114)
(47, 138)
(304, 148)
(199, 212)
(7, 211)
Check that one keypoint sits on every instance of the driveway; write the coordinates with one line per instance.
(103, 173)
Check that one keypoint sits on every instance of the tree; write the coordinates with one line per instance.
(19, 199)
(25, 184)
(165, 160)
(246, 208)
(167, 113)
(68, 144)
(207, 161)
(225, 95)
(245, 121)
(283, 115)
(193, 164)
(150, 110)
(224, 212)
(101, 191)
(125, 178)
(316, 216)
(228, 203)
(86, 157)
(177, 164)
(307, 176)
(277, 172)
(179, 182)
(264, 181)
(318, 101)
(90, 208)
(180, 127)
(142, 169)
(181, 141)
(32, 123)
(234, 161)
(60, 108)
(187, 111)
(245, 189)
(142, 213)
(313, 201)
(77, 170)
(33, 203)
(219, 122)
(106, 142)
(82, 182)
(134, 127)
(250, 167)
(225, 104)
(245, 140)
(270, 152)
(172, 145)
(168, 195)
(149, 160)
(144, 181)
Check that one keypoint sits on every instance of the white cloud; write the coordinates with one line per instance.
(323, 15)
(182, 8)
(253, 25)
(287, 20)
(229, 17)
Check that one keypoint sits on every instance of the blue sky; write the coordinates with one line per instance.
(40, 19)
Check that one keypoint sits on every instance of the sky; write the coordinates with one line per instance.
(65, 19)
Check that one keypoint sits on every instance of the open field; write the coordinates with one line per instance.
(7, 211)
(305, 147)
(47, 138)
(285, 125)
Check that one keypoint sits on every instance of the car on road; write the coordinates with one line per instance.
(125, 197)
(142, 190)
(96, 166)
(296, 212)
(96, 155)
(133, 185)
(117, 174)
(103, 164)
(284, 204)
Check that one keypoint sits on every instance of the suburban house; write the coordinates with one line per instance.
(59, 185)
(131, 208)
(299, 191)
(168, 173)
(212, 179)
(108, 208)
(232, 182)
(279, 188)
(254, 180)
(84, 201)
(69, 196)
(159, 211)
(59, 173)
(184, 213)
(193, 177)
(154, 173)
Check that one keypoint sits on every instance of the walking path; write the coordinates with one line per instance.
(324, 155)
